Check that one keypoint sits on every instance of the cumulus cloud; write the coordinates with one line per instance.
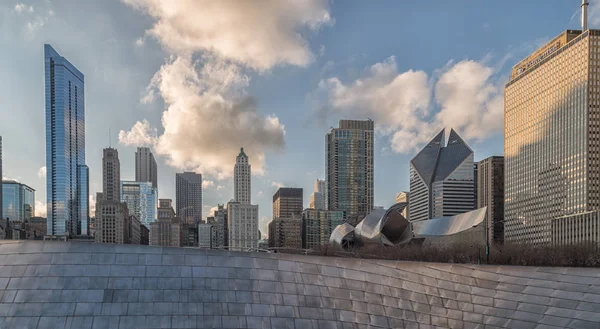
(213, 47)
(34, 19)
(207, 183)
(42, 172)
(277, 184)
(212, 210)
(40, 209)
(403, 104)
(22, 8)
(92, 205)
(258, 36)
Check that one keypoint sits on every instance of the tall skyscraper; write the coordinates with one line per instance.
(288, 202)
(490, 194)
(67, 174)
(188, 187)
(317, 198)
(552, 142)
(442, 181)
(113, 223)
(242, 182)
(146, 169)
(141, 199)
(350, 167)
(18, 201)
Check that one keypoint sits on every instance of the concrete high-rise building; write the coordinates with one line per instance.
(442, 181)
(113, 222)
(188, 186)
(141, 199)
(317, 198)
(286, 233)
(146, 169)
(18, 202)
(167, 231)
(242, 224)
(207, 236)
(552, 143)
(404, 197)
(219, 222)
(242, 179)
(350, 167)
(67, 178)
(490, 194)
(317, 226)
(288, 202)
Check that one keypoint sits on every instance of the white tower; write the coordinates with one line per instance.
(242, 179)
(584, 15)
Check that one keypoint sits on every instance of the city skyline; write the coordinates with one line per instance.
(326, 66)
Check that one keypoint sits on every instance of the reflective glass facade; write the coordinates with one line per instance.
(141, 199)
(67, 196)
(552, 140)
(318, 225)
(18, 202)
(350, 167)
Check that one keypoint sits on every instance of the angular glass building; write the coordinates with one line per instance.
(442, 179)
(141, 199)
(18, 202)
(350, 167)
(67, 174)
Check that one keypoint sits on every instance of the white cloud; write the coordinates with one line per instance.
(277, 184)
(207, 184)
(263, 225)
(212, 210)
(260, 193)
(258, 36)
(402, 104)
(22, 8)
(34, 19)
(42, 172)
(40, 209)
(213, 45)
(141, 134)
(139, 42)
(220, 187)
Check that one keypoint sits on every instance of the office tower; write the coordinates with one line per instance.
(18, 202)
(317, 198)
(442, 182)
(67, 174)
(113, 222)
(219, 221)
(349, 167)
(404, 197)
(242, 179)
(317, 226)
(145, 235)
(145, 167)
(242, 223)
(287, 202)
(207, 236)
(1, 202)
(188, 200)
(286, 233)
(490, 194)
(552, 143)
(167, 230)
(141, 199)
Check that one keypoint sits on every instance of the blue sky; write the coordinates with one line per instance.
(271, 77)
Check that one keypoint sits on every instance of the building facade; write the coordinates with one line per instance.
(552, 142)
(317, 226)
(1, 202)
(144, 235)
(188, 186)
(141, 199)
(67, 178)
(242, 179)
(18, 203)
(405, 198)
(242, 224)
(350, 167)
(207, 236)
(286, 233)
(442, 180)
(490, 194)
(146, 169)
(219, 221)
(288, 202)
(317, 198)
(167, 231)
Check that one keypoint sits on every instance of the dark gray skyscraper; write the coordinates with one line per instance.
(490, 193)
(188, 203)
(67, 174)
(145, 166)
(349, 167)
(442, 182)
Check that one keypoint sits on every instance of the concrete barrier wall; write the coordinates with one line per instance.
(80, 285)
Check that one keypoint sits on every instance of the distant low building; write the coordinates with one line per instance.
(167, 231)
(286, 233)
(207, 236)
(144, 235)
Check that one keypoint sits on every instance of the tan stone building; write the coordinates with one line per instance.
(167, 231)
(286, 233)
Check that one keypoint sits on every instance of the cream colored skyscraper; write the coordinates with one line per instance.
(552, 143)
(242, 175)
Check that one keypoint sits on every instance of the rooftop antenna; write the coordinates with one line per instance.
(584, 15)
(109, 139)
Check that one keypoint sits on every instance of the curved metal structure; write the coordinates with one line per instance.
(444, 226)
(341, 236)
(388, 227)
(52, 285)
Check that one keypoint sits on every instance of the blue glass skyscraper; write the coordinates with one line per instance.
(67, 174)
